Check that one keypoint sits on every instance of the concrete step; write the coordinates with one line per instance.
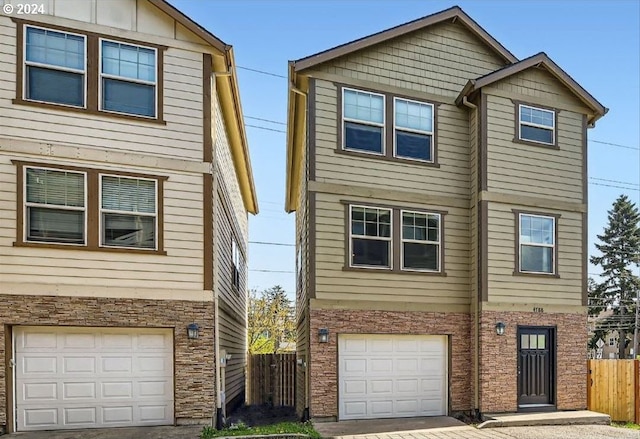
(579, 417)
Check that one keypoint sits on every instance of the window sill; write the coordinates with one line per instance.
(389, 270)
(538, 144)
(48, 245)
(547, 275)
(387, 158)
(92, 112)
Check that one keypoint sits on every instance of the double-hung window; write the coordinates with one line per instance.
(420, 241)
(127, 78)
(55, 206)
(128, 212)
(55, 67)
(236, 263)
(413, 130)
(537, 243)
(363, 121)
(370, 241)
(536, 125)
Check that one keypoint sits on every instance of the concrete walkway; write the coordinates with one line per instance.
(578, 417)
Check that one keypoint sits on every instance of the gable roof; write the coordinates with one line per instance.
(228, 90)
(537, 60)
(454, 13)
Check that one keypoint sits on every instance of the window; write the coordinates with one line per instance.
(127, 78)
(55, 206)
(413, 128)
(54, 67)
(236, 263)
(537, 244)
(536, 125)
(363, 121)
(91, 209)
(420, 241)
(86, 72)
(370, 237)
(128, 212)
(612, 341)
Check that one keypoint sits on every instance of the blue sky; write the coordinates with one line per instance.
(596, 42)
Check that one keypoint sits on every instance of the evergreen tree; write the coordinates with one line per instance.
(620, 253)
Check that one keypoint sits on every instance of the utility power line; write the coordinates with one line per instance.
(265, 128)
(271, 271)
(272, 243)
(262, 72)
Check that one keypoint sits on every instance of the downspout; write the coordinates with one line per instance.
(476, 359)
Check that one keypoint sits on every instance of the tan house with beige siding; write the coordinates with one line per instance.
(439, 185)
(125, 190)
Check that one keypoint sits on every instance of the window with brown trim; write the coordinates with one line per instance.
(82, 71)
(237, 263)
(386, 126)
(535, 125)
(394, 239)
(70, 207)
(536, 250)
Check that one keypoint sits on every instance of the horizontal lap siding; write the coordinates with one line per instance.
(505, 287)
(516, 168)
(180, 137)
(332, 283)
(452, 143)
(180, 269)
(233, 340)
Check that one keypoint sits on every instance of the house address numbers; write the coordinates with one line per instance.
(538, 309)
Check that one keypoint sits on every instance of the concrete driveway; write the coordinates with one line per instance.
(182, 432)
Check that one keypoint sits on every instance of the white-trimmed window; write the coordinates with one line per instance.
(363, 121)
(413, 129)
(537, 243)
(612, 341)
(128, 79)
(536, 125)
(236, 263)
(55, 206)
(421, 241)
(55, 67)
(370, 236)
(128, 212)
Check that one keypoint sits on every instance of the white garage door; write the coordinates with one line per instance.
(392, 376)
(92, 377)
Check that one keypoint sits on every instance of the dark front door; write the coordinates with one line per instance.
(536, 359)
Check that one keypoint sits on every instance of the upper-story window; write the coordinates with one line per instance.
(392, 127)
(413, 127)
(78, 71)
(370, 237)
(363, 119)
(420, 241)
(128, 78)
(55, 206)
(536, 125)
(537, 242)
(236, 263)
(128, 212)
(89, 209)
(55, 67)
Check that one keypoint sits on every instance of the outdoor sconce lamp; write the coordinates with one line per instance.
(500, 328)
(193, 331)
(323, 335)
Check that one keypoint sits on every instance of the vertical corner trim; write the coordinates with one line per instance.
(585, 259)
(483, 251)
(483, 143)
(207, 209)
(311, 133)
(207, 140)
(311, 245)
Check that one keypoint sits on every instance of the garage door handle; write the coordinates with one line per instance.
(12, 363)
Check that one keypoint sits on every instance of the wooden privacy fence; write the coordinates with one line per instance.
(271, 379)
(613, 387)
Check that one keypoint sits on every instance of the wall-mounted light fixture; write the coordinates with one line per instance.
(500, 328)
(323, 335)
(193, 331)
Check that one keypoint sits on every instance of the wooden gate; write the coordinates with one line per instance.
(613, 387)
(271, 379)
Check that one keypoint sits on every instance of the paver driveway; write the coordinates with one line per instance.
(184, 432)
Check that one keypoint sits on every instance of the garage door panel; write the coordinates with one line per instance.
(394, 376)
(93, 377)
